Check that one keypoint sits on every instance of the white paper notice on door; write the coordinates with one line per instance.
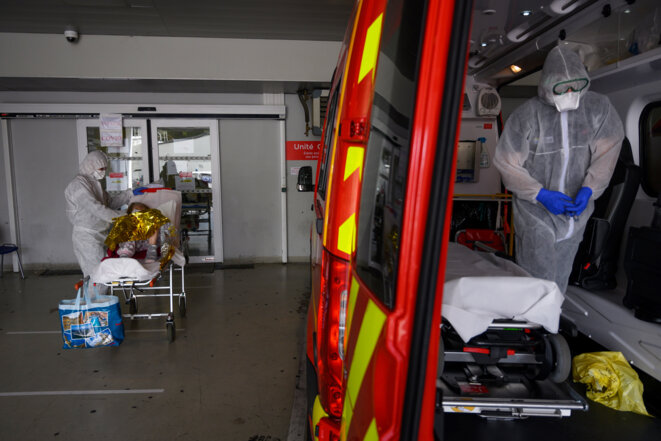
(116, 182)
(184, 181)
(110, 131)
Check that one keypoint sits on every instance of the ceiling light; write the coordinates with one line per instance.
(627, 11)
(526, 12)
(489, 11)
(515, 69)
(484, 44)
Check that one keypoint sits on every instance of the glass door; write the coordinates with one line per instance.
(185, 155)
(129, 164)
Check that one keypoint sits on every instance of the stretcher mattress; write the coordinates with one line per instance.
(481, 287)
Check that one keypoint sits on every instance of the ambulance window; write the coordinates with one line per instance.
(387, 154)
(650, 148)
(328, 139)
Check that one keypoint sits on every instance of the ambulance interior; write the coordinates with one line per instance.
(607, 305)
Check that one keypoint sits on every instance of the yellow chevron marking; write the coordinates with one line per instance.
(371, 48)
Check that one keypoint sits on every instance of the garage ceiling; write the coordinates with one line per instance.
(319, 20)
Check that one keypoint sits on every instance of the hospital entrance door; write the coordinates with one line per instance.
(185, 157)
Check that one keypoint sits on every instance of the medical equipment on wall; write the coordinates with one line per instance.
(468, 161)
(488, 102)
(485, 161)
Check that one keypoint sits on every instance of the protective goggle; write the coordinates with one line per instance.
(570, 86)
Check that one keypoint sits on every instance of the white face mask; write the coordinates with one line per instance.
(567, 101)
(99, 174)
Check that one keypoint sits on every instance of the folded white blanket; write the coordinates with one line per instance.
(480, 287)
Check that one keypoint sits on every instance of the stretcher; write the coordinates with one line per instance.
(500, 354)
(138, 280)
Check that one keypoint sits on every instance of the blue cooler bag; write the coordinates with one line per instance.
(89, 322)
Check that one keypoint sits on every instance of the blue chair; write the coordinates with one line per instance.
(7, 248)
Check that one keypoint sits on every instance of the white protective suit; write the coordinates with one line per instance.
(541, 147)
(91, 210)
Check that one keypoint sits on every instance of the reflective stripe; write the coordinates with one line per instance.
(370, 329)
(347, 416)
(317, 414)
(354, 162)
(346, 235)
(372, 434)
(371, 48)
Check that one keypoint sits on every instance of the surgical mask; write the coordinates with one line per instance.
(99, 174)
(567, 101)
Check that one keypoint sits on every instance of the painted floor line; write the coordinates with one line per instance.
(81, 392)
(59, 332)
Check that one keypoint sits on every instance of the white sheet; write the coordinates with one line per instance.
(124, 268)
(480, 287)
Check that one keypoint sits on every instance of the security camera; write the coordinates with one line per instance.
(71, 35)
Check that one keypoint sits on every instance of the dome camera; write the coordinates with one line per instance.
(71, 35)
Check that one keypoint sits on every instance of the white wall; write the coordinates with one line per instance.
(45, 160)
(126, 57)
(299, 214)
(129, 98)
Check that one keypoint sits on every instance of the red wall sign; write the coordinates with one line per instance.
(303, 150)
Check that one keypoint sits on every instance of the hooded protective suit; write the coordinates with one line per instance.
(91, 210)
(542, 147)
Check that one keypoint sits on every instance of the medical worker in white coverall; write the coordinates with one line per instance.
(91, 210)
(557, 154)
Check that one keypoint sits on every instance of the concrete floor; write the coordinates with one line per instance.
(229, 375)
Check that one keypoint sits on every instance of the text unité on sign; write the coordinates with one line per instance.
(303, 150)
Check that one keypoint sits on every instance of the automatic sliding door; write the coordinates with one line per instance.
(185, 155)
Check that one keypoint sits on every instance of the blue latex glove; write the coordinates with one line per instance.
(554, 201)
(581, 201)
(139, 190)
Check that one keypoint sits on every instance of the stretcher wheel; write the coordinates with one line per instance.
(182, 306)
(169, 327)
(133, 306)
(561, 359)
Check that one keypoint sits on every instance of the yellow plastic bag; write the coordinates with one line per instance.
(610, 381)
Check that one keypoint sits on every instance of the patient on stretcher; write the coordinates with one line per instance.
(139, 234)
(130, 248)
(162, 217)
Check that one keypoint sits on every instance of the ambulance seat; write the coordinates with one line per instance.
(595, 264)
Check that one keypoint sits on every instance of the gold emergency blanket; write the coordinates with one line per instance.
(141, 225)
(610, 380)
